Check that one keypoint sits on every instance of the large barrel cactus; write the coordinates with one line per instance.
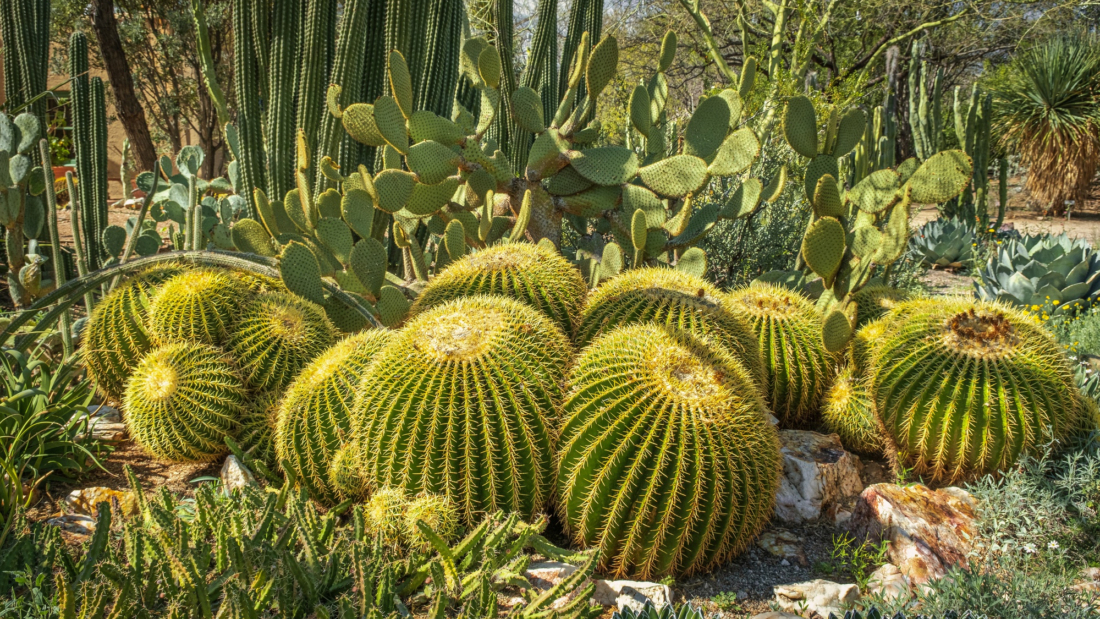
(849, 412)
(277, 334)
(199, 306)
(797, 364)
(535, 275)
(1053, 274)
(182, 401)
(964, 388)
(314, 419)
(115, 338)
(463, 403)
(667, 462)
(675, 299)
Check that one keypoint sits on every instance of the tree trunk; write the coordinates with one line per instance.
(129, 111)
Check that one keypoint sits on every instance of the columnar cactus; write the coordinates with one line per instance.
(116, 338)
(965, 388)
(182, 401)
(537, 276)
(798, 366)
(314, 418)
(674, 299)
(199, 306)
(667, 462)
(276, 335)
(463, 403)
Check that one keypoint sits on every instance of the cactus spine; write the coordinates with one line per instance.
(849, 412)
(667, 462)
(199, 306)
(277, 335)
(463, 404)
(246, 70)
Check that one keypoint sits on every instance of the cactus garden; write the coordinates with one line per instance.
(541, 309)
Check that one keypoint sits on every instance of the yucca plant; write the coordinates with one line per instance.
(675, 299)
(534, 274)
(965, 388)
(788, 329)
(667, 463)
(463, 403)
(943, 243)
(182, 401)
(314, 418)
(277, 335)
(1048, 110)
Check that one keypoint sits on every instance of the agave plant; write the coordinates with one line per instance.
(1053, 273)
(943, 243)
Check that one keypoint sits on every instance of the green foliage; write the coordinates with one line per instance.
(1042, 273)
(648, 611)
(653, 510)
(859, 558)
(314, 418)
(486, 374)
(182, 400)
(991, 350)
(788, 329)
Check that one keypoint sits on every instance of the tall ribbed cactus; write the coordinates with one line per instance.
(798, 366)
(246, 71)
(347, 71)
(89, 113)
(541, 72)
(676, 300)
(286, 27)
(584, 16)
(182, 401)
(965, 388)
(925, 108)
(314, 419)
(443, 41)
(463, 403)
(667, 462)
(25, 28)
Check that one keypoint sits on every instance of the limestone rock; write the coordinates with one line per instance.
(631, 594)
(84, 501)
(817, 475)
(549, 573)
(235, 475)
(929, 530)
(78, 525)
(819, 597)
(782, 543)
(104, 423)
(888, 582)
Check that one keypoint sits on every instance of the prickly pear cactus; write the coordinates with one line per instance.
(314, 419)
(965, 388)
(277, 335)
(182, 401)
(667, 462)
(485, 375)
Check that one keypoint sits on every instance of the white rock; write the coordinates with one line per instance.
(235, 475)
(549, 573)
(631, 594)
(104, 423)
(888, 582)
(816, 596)
(77, 524)
(817, 474)
(782, 543)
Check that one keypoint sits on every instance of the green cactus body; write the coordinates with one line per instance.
(797, 364)
(277, 334)
(534, 275)
(674, 299)
(257, 437)
(198, 306)
(872, 302)
(463, 404)
(849, 412)
(667, 463)
(116, 339)
(314, 419)
(965, 388)
(438, 513)
(182, 401)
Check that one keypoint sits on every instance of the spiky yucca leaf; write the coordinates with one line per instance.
(964, 388)
(849, 412)
(197, 306)
(115, 338)
(314, 419)
(277, 334)
(874, 301)
(532, 274)
(182, 401)
(675, 299)
(666, 461)
(463, 403)
(257, 436)
(797, 364)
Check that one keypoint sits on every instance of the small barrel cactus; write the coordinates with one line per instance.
(199, 306)
(276, 335)
(314, 419)
(182, 401)
(384, 516)
(257, 437)
(438, 512)
(675, 299)
(849, 412)
(115, 339)
(463, 404)
(667, 462)
(534, 275)
(789, 330)
(875, 300)
(964, 388)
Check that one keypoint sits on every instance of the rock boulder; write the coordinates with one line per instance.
(817, 475)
